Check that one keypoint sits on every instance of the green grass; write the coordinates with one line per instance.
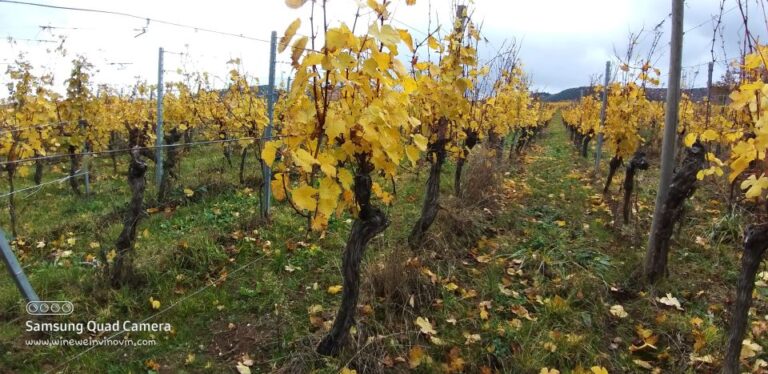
(550, 249)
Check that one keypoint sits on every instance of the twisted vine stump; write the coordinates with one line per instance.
(469, 143)
(497, 144)
(612, 167)
(243, 155)
(522, 142)
(74, 167)
(122, 271)
(585, 143)
(436, 154)
(755, 244)
(38, 171)
(113, 145)
(169, 163)
(683, 186)
(578, 140)
(11, 170)
(638, 162)
(370, 222)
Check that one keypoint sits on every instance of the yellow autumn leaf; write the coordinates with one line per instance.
(669, 300)
(295, 3)
(298, 48)
(333, 290)
(327, 164)
(433, 43)
(549, 371)
(618, 311)
(304, 197)
(346, 370)
(425, 326)
(373, 4)
(749, 349)
(189, 192)
(269, 152)
(690, 139)
(242, 369)
(737, 167)
(155, 304)
(754, 186)
(420, 141)
(470, 339)
(413, 153)
(416, 356)
(346, 178)
(643, 364)
(304, 160)
(278, 188)
(334, 126)
(405, 36)
(111, 256)
(709, 135)
(599, 370)
(289, 33)
(328, 192)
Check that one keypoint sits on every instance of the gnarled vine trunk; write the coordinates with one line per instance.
(638, 162)
(74, 167)
(122, 271)
(243, 155)
(436, 155)
(227, 147)
(683, 186)
(522, 141)
(11, 170)
(469, 143)
(755, 244)
(612, 167)
(38, 171)
(169, 163)
(585, 143)
(112, 147)
(497, 143)
(370, 222)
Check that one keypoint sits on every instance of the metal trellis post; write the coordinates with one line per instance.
(14, 268)
(159, 128)
(266, 170)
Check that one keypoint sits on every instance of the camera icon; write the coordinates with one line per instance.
(50, 308)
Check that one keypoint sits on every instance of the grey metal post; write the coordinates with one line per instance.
(266, 170)
(670, 116)
(599, 146)
(710, 68)
(86, 170)
(159, 128)
(17, 273)
(87, 159)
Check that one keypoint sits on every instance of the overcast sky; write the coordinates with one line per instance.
(564, 42)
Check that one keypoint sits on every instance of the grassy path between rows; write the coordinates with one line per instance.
(540, 278)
